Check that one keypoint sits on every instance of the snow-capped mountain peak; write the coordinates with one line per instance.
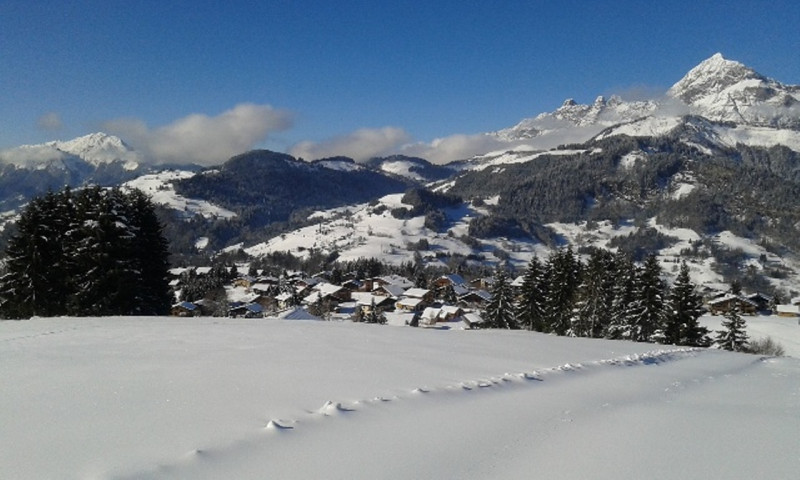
(727, 91)
(712, 76)
(748, 107)
(100, 148)
(95, 149)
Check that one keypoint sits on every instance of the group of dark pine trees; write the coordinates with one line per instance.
(90, 252)
(607, 297)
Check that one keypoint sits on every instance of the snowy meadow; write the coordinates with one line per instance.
(157, 397)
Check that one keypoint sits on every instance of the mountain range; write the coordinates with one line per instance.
(716, 154)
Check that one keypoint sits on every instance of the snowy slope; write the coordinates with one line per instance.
(370, 231)
(124, 398)
(160, 188)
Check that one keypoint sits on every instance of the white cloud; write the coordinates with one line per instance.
(359, 145)
(50, 121)
(456, 147)
(199, 138)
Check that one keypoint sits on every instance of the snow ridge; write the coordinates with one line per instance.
(336, 410)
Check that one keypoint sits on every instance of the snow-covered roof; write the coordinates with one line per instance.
(453, 278)
(416, 292)
(728, 297)
(431, 313)
(795, 309)
(409, 302)
(297, 314)
(450, 309)
(394, 290)
(518, 281)
(398, 319)
(472, 318)
(460, 290)
(186, 306)
(283, 297)
(480, 293)
(326, 289)
(396, 280)
(366, 298)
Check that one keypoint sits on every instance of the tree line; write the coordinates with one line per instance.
(607, 297)
(91, 252)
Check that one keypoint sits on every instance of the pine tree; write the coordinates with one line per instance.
(150, 252)
(500, 310)
(734, 336)
(681, 326)
(624, 295)
(530, 311)
(595, 296)
(562, 277)
(648, 310)
(34, 280)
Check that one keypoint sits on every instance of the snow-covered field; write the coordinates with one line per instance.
(102, 398)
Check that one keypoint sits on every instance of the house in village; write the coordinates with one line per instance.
(246, 310)
(414, 299)
(376, 282)
(791, 311)
(447, 281)
(475, 299)
(433, 315)
(725, 303)
(364, 302)
(762, 301)
(185, 309)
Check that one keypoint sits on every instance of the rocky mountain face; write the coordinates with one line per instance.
(726, 91)
(745, 106)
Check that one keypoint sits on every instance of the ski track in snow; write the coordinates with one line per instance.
(335, 409)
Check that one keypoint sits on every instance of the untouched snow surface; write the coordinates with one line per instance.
(124, 398)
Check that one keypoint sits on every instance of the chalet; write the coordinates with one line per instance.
(410, 304)
(471, 320)
(202, 270)
(284, 300)
(484, 283)
(329, 291)
(447, 281)
(297, 313)
(421, 293)
(415, 299)
(353, 285)
(399, 319)
(725, 303)
(429, 317)
(185, 309)
(263, 288)
(762, 301)
(475, 298)
(789, 311)
(364, 301)
(391, 280)
(391, 291)
(248, 310)
(245, 281)
(449, 313)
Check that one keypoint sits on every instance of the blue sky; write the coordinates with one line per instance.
(276, 74)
